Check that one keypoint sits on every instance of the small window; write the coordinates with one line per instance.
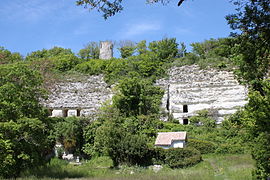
(185, 108)
(65, 113)
(78, 112)
(185, 121)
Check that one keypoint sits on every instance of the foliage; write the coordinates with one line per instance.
(130, 149)
(203, 119)
(257, 121)
(7, 57)
(109, 8)
(124, 139)
(179, 157)
(127, 48)
(165, 48)
(141, 47)
(115, 69)
(47, 54)
(69, 132)
(23, 126)
(252, 56)
(221, 47)
(136, 96)
(91, 67)
(19, 92)
(65, 63)
(90, 51)
(203, 146)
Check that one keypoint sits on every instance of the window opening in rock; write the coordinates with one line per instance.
(50, 112)
(65, 113)
(78, 112)
(185, 121)
(185, 108)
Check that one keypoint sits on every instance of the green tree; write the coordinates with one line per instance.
(253, 57)
(127, 48)
(253, 51)
(221, 47)
(7, 57)
(48, 53)
(69, 132)
(90, 51)
(165, 48)
(256, 118)
(136, 96)
(23, 124)
(141, 47)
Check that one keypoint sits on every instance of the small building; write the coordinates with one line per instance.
(168, 140)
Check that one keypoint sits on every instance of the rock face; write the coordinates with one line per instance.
(190, 89)
(78, 97)
(106, 50)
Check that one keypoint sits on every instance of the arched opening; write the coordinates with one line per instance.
(185, 121)
(185, 108)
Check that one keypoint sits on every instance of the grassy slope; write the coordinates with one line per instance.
(217, 167)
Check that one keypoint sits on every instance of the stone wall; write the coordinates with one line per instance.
(75, 97)
(190, 89)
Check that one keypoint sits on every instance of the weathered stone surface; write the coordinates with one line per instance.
(74, 97)
(217, 91)
(106, 50)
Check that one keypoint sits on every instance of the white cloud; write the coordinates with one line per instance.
(35, 10)
(141, 28)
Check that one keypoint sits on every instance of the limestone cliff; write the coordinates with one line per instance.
(190, 89)
(74, 97)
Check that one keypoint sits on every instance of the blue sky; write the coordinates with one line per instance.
(30, 25)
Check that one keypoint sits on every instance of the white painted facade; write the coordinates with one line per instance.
(175, 144)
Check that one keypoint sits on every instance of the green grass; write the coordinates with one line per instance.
(217, 167)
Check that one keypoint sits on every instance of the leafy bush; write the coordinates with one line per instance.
(68, 131)
(204, 147)
(204, 119)
(136, 97)
(91, 67)
(176, 157)
(182, 157)
(229, 148)
(65, 62)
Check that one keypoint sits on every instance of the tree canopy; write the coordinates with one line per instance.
(109, 8)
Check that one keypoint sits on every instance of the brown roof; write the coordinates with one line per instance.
(166, 138)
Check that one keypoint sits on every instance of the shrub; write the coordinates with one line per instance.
(230, 148)
(65, 62)
(204, 147)
(182, 157)
(91, 67)
(176, 157)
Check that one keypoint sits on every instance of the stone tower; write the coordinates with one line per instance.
(106, 50)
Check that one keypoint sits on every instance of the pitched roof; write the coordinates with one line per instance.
(166, 138)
